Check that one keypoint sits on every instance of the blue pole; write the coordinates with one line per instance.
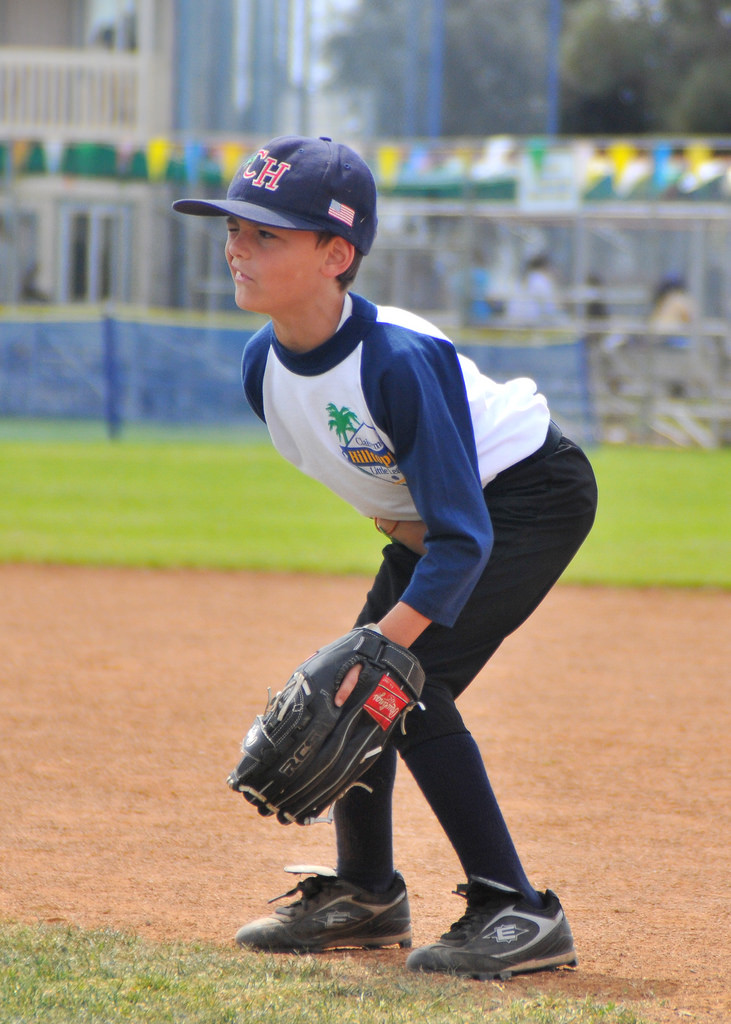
(411, 70)
(111, 378)
(184, 73)
(553, 85)
(436, 68)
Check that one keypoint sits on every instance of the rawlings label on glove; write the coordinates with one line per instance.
(304, 753)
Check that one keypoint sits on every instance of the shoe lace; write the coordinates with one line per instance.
(308, 889)
(481, 903)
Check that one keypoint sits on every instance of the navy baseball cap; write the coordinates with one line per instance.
(302, 183)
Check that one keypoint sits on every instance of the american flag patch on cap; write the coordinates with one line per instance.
(341, 212)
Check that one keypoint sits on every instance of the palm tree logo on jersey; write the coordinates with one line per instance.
(362, 445)
(343, 421)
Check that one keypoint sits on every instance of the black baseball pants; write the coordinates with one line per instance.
(541, 510)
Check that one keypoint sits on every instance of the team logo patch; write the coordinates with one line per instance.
(386, 702)
(362, 446)
(263, 171)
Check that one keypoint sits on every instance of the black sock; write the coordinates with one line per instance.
(363, 824)
(451, 775)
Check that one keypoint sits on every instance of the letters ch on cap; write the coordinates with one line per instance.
(268, 176)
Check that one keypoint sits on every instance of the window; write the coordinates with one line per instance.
(112, 24)
(95, 253)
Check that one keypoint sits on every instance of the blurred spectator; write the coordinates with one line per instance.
(596, 307)
(599, 344)
(29, 290)
(537, 299)
(673, 310)
(672, 313)
(480, 305)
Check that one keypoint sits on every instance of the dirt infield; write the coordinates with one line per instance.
(604, 723)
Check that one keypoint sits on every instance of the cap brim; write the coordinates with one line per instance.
(246, 211)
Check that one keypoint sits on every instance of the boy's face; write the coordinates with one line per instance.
(276, 271)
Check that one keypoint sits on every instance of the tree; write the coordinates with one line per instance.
(494, 65)
(606, 63)
(704, 104)
(698, 34)
(647, 66)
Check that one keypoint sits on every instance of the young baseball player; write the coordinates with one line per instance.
(484, 502)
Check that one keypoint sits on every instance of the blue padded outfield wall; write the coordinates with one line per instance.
(185, 371)
(122, 370)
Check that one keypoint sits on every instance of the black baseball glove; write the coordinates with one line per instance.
(304, 753)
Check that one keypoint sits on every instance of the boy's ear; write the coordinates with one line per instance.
(340, 255)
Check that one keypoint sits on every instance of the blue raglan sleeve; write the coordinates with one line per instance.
(416, 393)
(253, 364)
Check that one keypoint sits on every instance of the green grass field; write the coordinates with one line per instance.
(176, 500)
(63, 976)
(663, 518)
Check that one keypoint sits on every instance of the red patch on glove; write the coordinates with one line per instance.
(386, 702)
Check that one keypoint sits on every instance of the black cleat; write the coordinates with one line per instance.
(331, 913)
(499, 935)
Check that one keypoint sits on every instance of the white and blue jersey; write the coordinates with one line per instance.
(389, 416)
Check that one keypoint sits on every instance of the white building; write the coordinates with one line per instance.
(75, 72)
(87, 82)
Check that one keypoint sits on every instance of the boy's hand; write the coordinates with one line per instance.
(347, 686)
(403, 624)
(408, 532)
(304, 752)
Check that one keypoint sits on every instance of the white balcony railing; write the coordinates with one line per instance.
(79, 94)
